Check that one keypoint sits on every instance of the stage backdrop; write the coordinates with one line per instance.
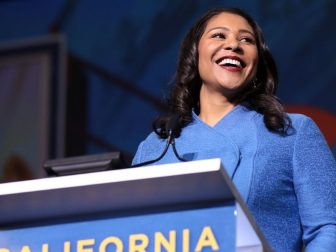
(128, 51)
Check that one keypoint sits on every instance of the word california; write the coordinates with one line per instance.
(206, 239)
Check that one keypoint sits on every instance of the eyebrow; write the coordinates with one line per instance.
(226, 29)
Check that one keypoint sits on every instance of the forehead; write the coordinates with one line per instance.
(230, 21)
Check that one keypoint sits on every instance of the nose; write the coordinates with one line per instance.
(233, 45)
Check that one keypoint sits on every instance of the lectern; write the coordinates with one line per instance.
(191, 206)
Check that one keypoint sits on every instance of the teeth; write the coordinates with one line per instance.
(230, 61)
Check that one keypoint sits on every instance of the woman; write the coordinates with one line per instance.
(224, 99)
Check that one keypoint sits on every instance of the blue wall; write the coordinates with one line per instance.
(137, 41)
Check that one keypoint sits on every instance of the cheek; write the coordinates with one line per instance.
(206, 49)
(201, 53)
(202, 59)
(205, 54)
(254, 62)
(255, 65)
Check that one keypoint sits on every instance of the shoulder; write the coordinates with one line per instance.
(309, 140)
(297, 123)
(151, 142)
(299, 119)
(302, 124)
(150, 147)
(301, 131)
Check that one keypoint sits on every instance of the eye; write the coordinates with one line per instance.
(247, 40)
(219, 35)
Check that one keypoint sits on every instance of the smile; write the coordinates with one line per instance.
(231, 62)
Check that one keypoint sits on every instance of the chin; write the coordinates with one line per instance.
(233, 90)
(233, 87)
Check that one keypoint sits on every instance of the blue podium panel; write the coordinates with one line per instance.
(205, 229)
(191, 206)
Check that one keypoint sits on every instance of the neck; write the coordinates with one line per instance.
(213, 106)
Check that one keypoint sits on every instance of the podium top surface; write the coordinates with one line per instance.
(145, 188)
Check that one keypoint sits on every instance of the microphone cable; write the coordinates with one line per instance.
(171, 127)
(158, 158)
(176, 153)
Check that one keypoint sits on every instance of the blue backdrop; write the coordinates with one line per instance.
(136, 42)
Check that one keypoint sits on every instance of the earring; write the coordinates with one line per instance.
(255, 83)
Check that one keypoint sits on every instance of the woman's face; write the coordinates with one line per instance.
(228, 54)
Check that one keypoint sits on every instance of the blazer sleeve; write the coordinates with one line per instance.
(315, 185)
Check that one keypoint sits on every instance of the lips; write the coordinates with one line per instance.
(231, 62)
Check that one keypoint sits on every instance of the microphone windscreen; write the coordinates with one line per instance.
(173, 124)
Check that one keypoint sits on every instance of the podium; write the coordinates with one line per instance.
(190, 206)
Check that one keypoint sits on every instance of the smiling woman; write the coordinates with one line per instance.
(223, 105)
(228, 58)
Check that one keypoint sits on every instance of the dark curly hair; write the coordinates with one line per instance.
(260, 96)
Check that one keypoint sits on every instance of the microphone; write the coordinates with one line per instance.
(172, 128)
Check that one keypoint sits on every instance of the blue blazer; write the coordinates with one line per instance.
(288, 182)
